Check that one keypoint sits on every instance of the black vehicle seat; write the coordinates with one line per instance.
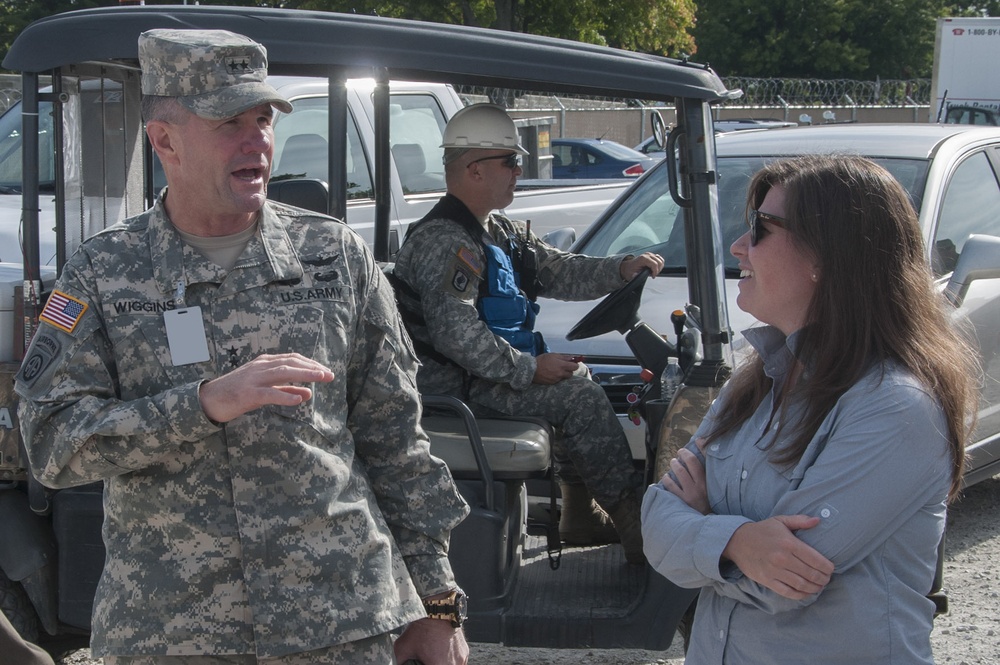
(308, 193)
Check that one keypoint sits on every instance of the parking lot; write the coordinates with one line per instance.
(969, 634)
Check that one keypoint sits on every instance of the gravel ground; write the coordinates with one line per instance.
(968, 635)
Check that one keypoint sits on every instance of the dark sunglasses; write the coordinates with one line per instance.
(755, 220)
(511, 161)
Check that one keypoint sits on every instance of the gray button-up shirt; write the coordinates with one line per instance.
(877, 473)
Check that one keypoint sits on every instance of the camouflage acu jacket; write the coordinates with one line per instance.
(286, 529)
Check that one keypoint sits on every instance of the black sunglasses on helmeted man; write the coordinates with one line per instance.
(754, 220)
(511, 160)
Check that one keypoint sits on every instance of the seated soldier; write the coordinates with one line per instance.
(467, 282)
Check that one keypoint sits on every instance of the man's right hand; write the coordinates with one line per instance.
(552, 368)
(267, 379)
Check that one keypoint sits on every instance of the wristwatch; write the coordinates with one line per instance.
(454, 607)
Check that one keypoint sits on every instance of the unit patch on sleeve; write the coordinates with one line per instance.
(460, 281)
(45, 348)
(464, 268)
(63, 311)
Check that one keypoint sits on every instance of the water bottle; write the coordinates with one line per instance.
(670, 379)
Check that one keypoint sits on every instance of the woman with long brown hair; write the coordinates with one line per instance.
(810, 504)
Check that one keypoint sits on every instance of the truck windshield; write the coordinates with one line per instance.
(11, 140)
(416, 124)
(972, 115)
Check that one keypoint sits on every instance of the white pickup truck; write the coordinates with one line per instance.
(418, 114)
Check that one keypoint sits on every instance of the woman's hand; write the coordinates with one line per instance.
(686, 479)
(769, 553)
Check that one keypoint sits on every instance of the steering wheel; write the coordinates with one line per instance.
(618, 311)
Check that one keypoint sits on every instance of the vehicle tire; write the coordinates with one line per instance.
(17, 606)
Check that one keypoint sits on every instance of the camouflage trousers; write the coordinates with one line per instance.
(590, 445)
(372, 651)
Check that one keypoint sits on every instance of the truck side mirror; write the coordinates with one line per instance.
(561, 238)
(980, 259)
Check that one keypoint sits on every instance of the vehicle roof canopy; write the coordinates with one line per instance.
(103, 43)
(309, 43)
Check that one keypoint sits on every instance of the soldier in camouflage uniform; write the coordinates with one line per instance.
(236, 373)
(503, 368)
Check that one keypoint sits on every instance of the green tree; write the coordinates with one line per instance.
(819, 39)
(986, 8)
(662, 27)
(15, 15)
(650, 26)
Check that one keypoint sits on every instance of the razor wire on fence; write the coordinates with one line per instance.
(833, 92)
(776, 92)
(9, 97)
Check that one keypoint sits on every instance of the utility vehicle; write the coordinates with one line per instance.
(522, 589)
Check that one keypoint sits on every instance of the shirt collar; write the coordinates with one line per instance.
(174, 261)
(776, 350)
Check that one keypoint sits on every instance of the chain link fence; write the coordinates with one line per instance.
(628, 120)
(756, 92)
(803, 101)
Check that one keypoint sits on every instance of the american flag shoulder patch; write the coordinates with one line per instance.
(63, 311)
(469, 258)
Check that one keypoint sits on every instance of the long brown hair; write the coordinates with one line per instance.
(874, 300)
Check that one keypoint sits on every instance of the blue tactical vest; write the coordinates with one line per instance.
(504, 308)
(501, 302)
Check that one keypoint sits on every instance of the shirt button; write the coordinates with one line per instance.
(744, 475)
(825, 512)
(722, 634)
(714, 447)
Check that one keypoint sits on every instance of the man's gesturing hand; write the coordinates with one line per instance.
(267, 379)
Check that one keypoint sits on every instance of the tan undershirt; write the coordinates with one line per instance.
(222, 250)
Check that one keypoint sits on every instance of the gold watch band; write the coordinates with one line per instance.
(450, 608)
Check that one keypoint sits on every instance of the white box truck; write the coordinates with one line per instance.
(964, 89)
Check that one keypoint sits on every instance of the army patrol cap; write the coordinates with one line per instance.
(215, 74)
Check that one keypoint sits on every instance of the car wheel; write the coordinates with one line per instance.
(17, 606)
